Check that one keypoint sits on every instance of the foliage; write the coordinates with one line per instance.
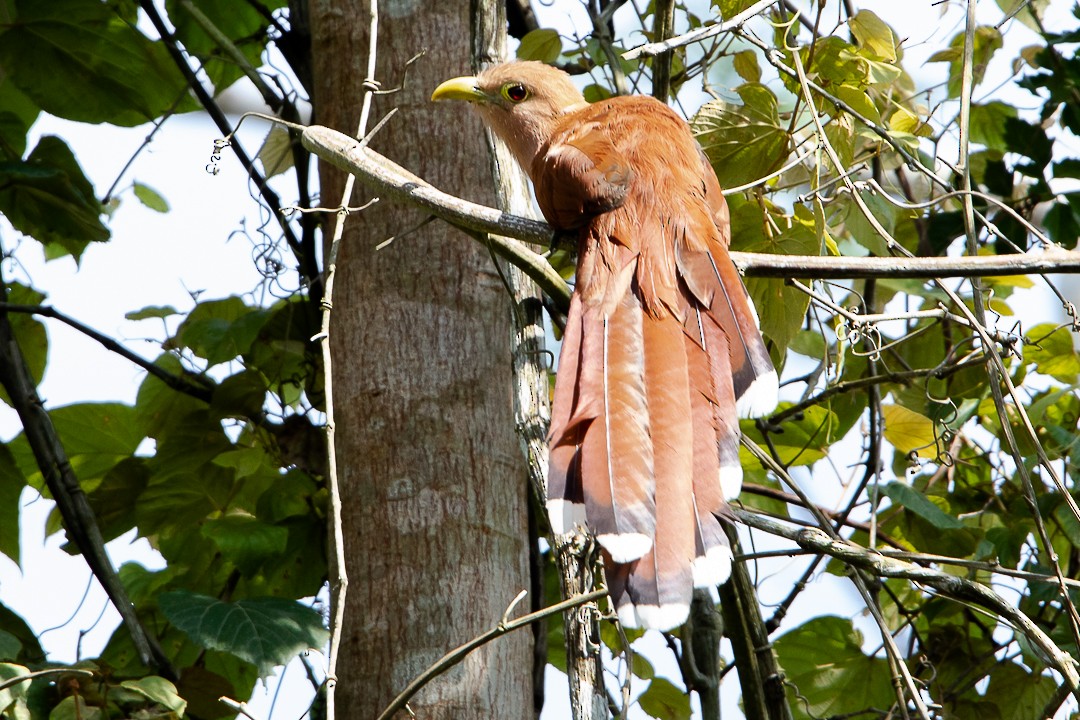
(219, 461)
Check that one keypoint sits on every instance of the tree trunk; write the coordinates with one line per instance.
(432, 479)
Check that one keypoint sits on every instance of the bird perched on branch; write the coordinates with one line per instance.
(662, 352)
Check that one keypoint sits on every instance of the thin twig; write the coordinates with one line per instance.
(702, 33)
(459, 653)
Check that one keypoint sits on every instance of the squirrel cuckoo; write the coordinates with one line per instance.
(661, 353)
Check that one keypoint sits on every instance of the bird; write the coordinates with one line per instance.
(662, 351)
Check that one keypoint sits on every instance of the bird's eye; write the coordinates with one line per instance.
(515, 92)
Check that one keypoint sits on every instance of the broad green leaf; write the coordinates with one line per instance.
(74, 707)
(9, 650)
(824, 662)
(202, 688)
(158, 690)
(12, 483)
(874, 35)
(263, 631)
(1051, 349)
(988, 124)
(743, 142)
(1018, 694)
(911, 499)
(746, 65)
(665, 701)
(909, 431)
(89, 64)
(859, 101)
(151, 198)
(542, 44)
(246, 541)
(48, 197)
(152, 311)
(220, 330)
(805, 439)
(159, 407)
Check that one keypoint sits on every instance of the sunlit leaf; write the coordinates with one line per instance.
(542, 44)
(158, 690)
(746, 65)
(825, 666)
(743, 142)
(1053, 352)
(151, 198)
(873, 34)
(987, 41)
(908, 431)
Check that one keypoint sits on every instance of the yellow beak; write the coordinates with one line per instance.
(461, 88)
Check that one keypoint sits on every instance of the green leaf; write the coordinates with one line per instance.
(746, 65)
(158, 690)
(17, 115)
(12, 483)
(48, 197)
(743, 142)
(1051, 349)
(1017, 693)
(731, 8)
(663, 700)
(114, 500)
(825, 664)
(859, 101)
(159, 407)
(246, 541)
(263, 631)
(909, 431)
(988, 124)
(542, 44)
(152, 311)
(74, 707)
(874, 35)
(911, 499)
(151, 198)
(220, 330)
(89, 64)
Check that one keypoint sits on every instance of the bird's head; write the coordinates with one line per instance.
(522, 102)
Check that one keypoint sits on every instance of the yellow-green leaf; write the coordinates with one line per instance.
(746, 65)
(873, 34)
(1051, 349)
(909, 431)
(276, 152)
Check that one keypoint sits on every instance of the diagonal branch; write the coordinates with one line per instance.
(79, 519)
(815, 540)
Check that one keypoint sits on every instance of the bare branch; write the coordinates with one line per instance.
(815, 540)
(703, 33)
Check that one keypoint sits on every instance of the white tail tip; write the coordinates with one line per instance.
(565, 515)
(625, 547)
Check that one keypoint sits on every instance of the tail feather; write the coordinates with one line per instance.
(715, 283)
(566, 502)
(617, 468)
